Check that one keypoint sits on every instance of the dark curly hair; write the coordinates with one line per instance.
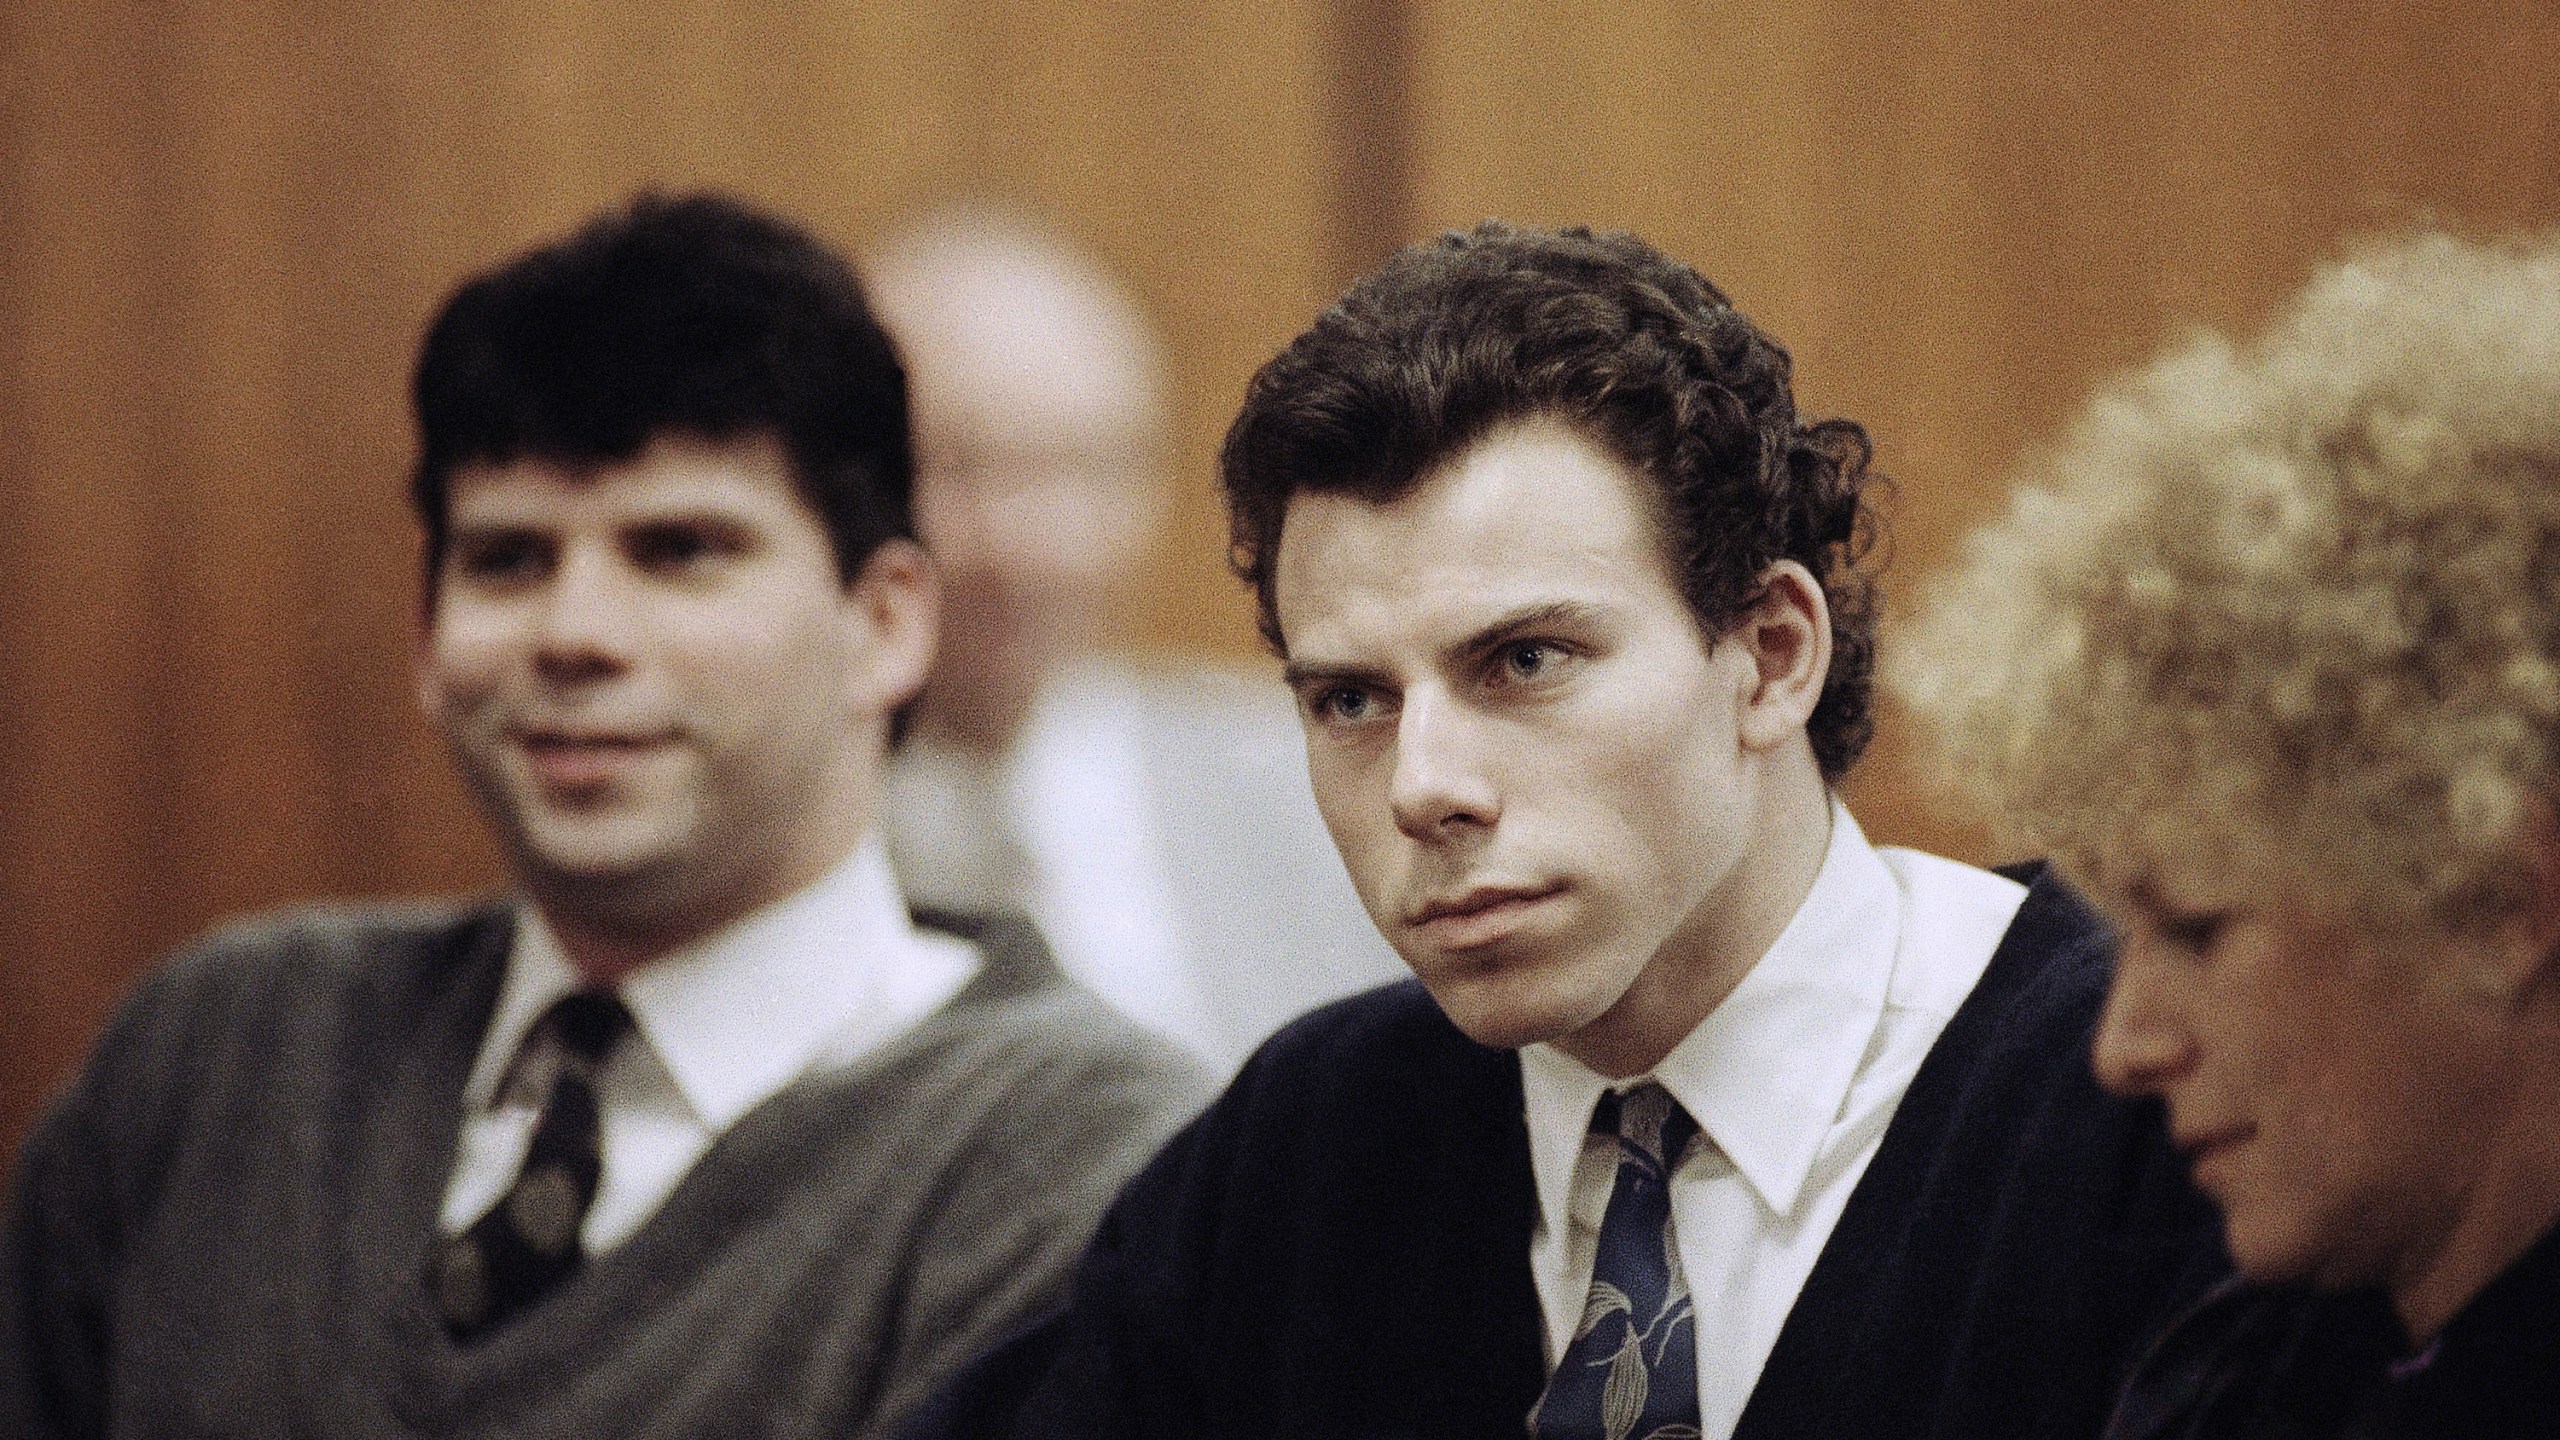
(694, 314)
(1459, 335)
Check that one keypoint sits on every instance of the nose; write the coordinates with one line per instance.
(1440, 788)
(2141, 1044)
(582, 619)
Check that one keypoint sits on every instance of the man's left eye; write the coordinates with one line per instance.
(1529, 659)
(674, 548)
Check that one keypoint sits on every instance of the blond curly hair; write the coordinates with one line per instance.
(2286, 615)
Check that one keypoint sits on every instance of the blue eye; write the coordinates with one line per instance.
(1529, 662)
(1343, 702)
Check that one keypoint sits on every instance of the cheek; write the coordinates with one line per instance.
(2349, 1140)
(1665, 790)
(778, 680)
(464, 661)
(1353, 806)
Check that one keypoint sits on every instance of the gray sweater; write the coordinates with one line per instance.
(222, 1227)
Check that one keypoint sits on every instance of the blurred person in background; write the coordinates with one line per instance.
(697, 1133)
(1152, 819)
(2268, 655)
(1702, 1115)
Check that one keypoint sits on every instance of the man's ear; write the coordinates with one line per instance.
(1787, 633)
(895, 608)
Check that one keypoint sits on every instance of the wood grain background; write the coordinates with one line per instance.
(221, 227)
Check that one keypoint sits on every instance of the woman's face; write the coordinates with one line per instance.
(2334, 1100)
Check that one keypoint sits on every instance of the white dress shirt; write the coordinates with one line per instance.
(815, 980)
(1793, 1079)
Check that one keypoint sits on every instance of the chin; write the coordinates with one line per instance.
(2270, 1252)
(1506, 1010)
(601, 864)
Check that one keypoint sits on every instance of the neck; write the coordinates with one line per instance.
(608, 944)
(2513, 1202)
(1727, 932)
(611, 927)
(604, 957)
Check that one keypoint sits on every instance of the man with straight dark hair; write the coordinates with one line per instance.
(698, 1133)
(1703, 1115)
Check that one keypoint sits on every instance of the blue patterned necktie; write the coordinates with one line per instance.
(528, 1242)
(1631, 1371)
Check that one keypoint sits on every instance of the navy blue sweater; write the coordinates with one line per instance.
(1339, 1246)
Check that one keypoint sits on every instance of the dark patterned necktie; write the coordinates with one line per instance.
(528, 1242)
(1631, 1370)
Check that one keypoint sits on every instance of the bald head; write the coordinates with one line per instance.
(1039, 424)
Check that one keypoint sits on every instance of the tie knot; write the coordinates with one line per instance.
(1648, 1120)
(588, 1022)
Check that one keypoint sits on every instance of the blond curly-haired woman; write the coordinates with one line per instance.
(2267, 655)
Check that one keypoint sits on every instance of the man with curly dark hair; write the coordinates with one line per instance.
(1703, 1116)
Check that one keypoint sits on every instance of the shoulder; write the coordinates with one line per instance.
(1380, 1063)
(1360, 1110)
(1022, 1035)
(2243, 1355)
(2009, 1073)
(1382, 1069)
(206, 1047)
(2051, 967)
(306, 959)
(331, 941)
(1392, 1027)
(2054, 918)
(2017, 1047)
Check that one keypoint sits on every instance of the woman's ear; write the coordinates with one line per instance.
(2530, 955)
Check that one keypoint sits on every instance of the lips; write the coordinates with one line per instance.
(583, 758)
(1480, 915)
(2204, 1147)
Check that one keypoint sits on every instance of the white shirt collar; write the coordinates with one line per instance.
(1767, 1072)
(740, 1013)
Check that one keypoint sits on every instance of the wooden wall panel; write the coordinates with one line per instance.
(1960, 215)
(221, 226)
(221, 229)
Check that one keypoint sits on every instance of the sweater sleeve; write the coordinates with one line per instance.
(83, 1178)
(90, 1179)
(56, 1269)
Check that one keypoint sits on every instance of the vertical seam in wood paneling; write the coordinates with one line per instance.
(1369, 107)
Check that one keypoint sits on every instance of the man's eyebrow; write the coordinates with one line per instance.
(1528, 619)
(477, 526)
(1506, 627)
(1298, 674)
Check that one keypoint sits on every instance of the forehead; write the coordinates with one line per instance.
(747, 479)
(1533, 514)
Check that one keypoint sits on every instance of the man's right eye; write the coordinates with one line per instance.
(502, 558)
(1343, 704)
